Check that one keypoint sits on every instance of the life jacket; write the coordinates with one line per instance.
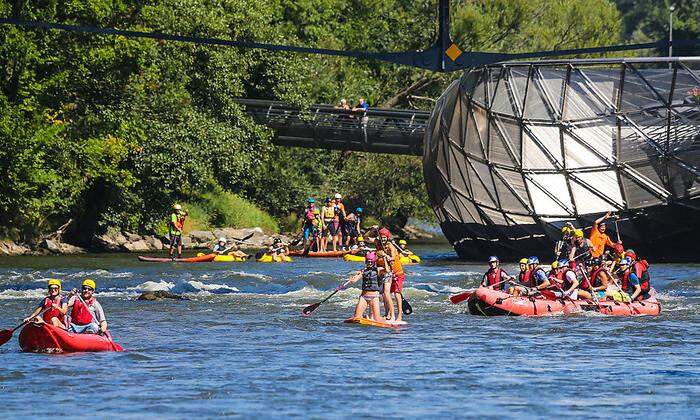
(80, 315)
(567, 283)
(595, 279)
(370, 280)
(533, 276)
(396, 266)
(493, 277)
(525, 278)
(641, 269)
(53, 313)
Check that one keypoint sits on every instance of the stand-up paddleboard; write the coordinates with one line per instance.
(372, 323)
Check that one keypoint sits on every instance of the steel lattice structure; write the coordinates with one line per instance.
(514, 150)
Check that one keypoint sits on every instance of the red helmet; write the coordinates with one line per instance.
(385, 233)
(631, 254)
(619, 249)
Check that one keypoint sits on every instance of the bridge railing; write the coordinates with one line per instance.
(326, 127)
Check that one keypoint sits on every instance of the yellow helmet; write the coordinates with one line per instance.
(578, 233)
(565, 230)
(402, 242)
(555, 264)
(360, 239)
(523, 261)
(54, 282)
(89, 283)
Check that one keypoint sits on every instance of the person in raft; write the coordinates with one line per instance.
(175, 225)
(495, 277)
(599, 239)
(371, 285)
(87, 315)
(220, 248)
(599, 278)
(522, 283)
(278, 250)
(403, 248)
(631, 284)
(56, 315)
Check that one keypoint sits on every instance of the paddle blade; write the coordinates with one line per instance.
(5, 336)
(406, 307)
(461, 297)
(310, 309)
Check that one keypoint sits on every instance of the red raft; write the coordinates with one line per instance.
(43, 338)
(489, 302)
(314, 254)
(201, 258)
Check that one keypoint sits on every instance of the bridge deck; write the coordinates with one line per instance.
(325, 127)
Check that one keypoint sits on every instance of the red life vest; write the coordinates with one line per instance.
(641, 269)
(80, 315)
(493, 277)
(595, 281)
(525, 278)
(53, 313)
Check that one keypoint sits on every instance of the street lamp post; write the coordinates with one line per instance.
(671, 9)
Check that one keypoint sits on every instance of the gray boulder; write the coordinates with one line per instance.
(57, 247)
(159, 295)
(138, 246)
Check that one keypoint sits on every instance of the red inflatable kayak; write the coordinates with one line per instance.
(489, 302)
(314, 254)
(43, 338)
(202, 258)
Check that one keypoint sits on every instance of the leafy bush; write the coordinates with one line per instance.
(229, 210)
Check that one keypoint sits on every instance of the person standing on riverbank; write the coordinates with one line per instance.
(175, 225)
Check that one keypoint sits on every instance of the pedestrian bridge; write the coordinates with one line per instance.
(326, 127)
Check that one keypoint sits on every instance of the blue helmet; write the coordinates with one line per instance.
(311, 200)
(563, 263)
(625, 261)
(493, 258)
(533, 260)
(359, 210)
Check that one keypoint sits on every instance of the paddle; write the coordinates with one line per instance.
(461, 297)
(311, 308)
(617, 229)
(6, 335)
(406, 307)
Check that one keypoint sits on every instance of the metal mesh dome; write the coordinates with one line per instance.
(514, 150)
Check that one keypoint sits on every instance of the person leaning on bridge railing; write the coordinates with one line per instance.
(362, 108)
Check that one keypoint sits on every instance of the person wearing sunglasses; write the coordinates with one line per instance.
(55, 305)
(87, 315)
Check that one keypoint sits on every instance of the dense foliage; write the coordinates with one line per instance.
(110, 131)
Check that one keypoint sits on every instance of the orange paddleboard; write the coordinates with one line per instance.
(381, 324)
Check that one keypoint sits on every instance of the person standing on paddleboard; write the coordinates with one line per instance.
(87, 315)
(309, 220)
(55, 316)
(371, 284)
(390, 260)
(175, 225)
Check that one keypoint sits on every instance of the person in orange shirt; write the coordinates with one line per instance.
(599, 239)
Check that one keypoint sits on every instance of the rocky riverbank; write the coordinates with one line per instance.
(116, 241)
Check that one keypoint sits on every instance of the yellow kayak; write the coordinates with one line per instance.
(410, 259)
(267, 258)
(228, 258)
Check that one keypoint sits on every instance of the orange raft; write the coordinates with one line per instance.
(372, 323)
(314, 254)
(489, 302)
(43, 338)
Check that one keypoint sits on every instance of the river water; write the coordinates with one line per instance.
(239, 347)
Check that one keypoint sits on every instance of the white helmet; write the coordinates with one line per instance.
(177, 207)
(222, 239)
(337, 195)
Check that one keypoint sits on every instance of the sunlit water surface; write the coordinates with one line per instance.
(240, 347)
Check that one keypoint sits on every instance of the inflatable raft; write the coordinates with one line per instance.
(267, 258)
(410, 259)
(489, 302)
(199, 258)
(372, 323)
(228, 258)
(43, 338)
(314, 254)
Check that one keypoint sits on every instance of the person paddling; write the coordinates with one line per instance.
(175, 226)
(278, 250)
(523, 280)
(391, 261)
(87, 315)
(371, 285)
(631, 283)
(220, 248)
(56, 315)
(495, 277)
(599, 278)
